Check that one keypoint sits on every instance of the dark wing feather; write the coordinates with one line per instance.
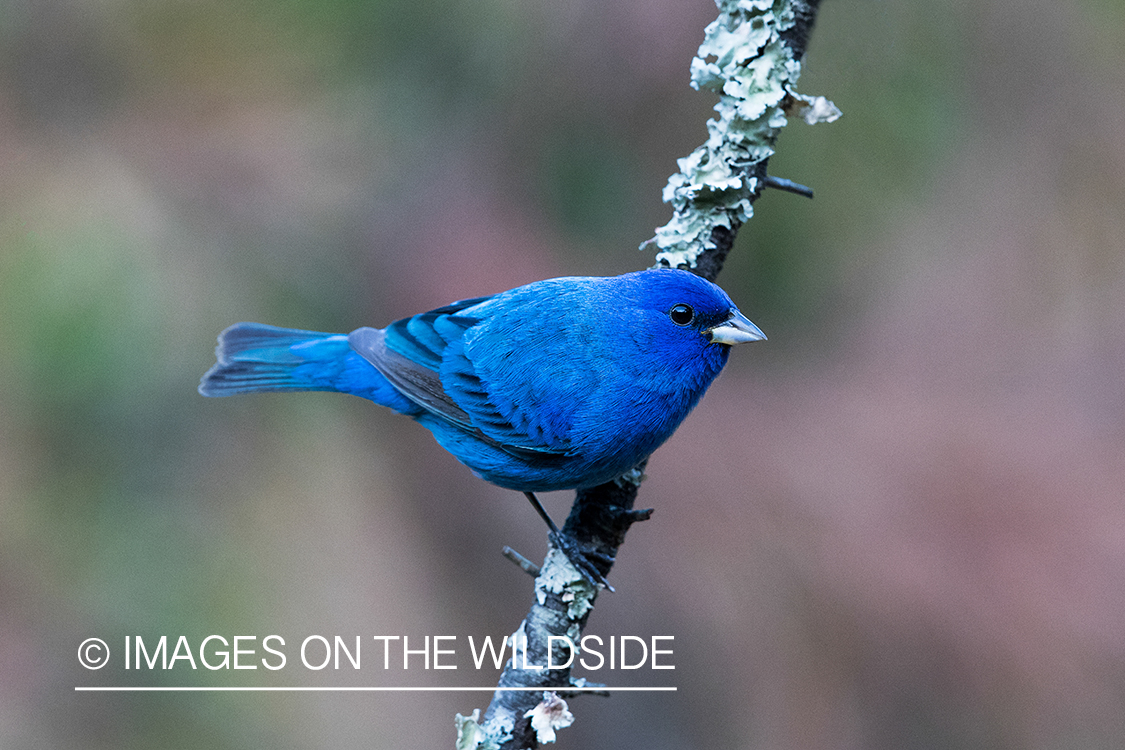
(409, 354)
(461, 379)
(423, 338)
(414, 380)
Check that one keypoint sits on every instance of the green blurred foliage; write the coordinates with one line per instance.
(868, 169)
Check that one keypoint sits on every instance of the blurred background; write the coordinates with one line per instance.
(898, 524)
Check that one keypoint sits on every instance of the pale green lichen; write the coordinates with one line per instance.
(745, 61)
(632, 477)
(472, 736)
(561, 578)
(549, 715)
(811, 109)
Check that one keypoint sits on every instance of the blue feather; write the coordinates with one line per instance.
(563, 383)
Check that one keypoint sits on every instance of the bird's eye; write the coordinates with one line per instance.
(681, 314)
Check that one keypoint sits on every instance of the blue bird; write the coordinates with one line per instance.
(560, 384)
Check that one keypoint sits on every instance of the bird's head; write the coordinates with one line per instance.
(688, 312)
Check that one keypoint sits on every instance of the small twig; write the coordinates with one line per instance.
(527, 565)
(780, 183)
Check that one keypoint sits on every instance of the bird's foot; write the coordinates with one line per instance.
(584, 560)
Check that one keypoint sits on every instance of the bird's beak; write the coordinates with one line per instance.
(737, 329)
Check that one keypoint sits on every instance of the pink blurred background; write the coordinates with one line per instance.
(900, 523)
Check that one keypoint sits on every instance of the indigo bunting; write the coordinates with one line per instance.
(560, 384)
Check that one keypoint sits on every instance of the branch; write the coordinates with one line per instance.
(751, 57)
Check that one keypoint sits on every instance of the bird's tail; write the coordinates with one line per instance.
(254, 357)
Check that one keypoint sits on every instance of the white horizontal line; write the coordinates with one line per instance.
(310, 689)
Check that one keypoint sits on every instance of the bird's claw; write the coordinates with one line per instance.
(583, 559)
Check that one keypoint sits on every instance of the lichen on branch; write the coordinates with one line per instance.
(751, 57)
(747, 57)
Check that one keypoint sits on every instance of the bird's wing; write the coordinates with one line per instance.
(414, 380)
(423, 338)
(463, 382)
(409, 354)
